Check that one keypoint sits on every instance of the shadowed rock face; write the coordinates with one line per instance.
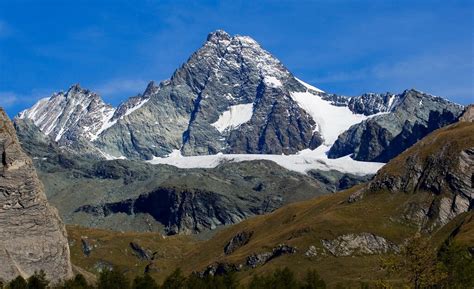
(32, 236)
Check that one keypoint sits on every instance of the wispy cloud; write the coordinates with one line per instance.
(7, 99)
(445, 75)
(14, 102)
(121, 87)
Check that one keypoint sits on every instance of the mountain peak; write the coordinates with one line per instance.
(151, 88)
(77, 90)
(75, 87)
(218, 35)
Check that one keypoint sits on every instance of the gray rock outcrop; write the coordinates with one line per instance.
(259, 259)
(359, 244)
(32, 236)
(218, 269)
(141, 253)
(86, 247)
(239, 240)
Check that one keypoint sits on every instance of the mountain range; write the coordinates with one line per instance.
(233, 165)
(234, 97)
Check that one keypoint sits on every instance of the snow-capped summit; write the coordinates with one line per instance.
(76, 111)
(233, 97)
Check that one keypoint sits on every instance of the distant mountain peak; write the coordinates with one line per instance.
(218, 35)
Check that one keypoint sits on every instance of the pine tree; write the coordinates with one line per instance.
(144, 282)
(79, 282)
(175, 281)
(459, 264)
(313, 281)
(38, 281)
(418, 261)
(113, 280)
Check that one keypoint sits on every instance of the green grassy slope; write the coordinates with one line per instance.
(305, 224)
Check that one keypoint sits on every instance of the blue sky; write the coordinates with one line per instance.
(346, 47)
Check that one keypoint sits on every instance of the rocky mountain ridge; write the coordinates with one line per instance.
(232, 96)
(413, 115)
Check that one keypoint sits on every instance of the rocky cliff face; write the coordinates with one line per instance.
(183, 201)
(468, 114)
(441, 165)
(32, 236)
(412, 116)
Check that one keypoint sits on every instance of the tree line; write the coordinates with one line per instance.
(114, 279)
(419, 265)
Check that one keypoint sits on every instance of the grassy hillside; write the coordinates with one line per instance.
(302, 225)
(113, 248)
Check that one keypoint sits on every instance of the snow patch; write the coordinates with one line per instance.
(132, 109)
(331, 120)
(272, 81)
(110, 157)
(308, 86)
(106, 123)
(301, 162)
(390, 102)
(234, 117)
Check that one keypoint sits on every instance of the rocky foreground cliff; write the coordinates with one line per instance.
(32, 235)
(442, 165)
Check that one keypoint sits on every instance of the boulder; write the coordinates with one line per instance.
(359, 244)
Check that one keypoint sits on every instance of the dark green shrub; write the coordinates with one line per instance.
(18, 283)
(38, 281)
(144, 282)
(113, 280)
(175, 281)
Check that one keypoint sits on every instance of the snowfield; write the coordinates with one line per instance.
(331, 120)
(301, 162)
(234, 117)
